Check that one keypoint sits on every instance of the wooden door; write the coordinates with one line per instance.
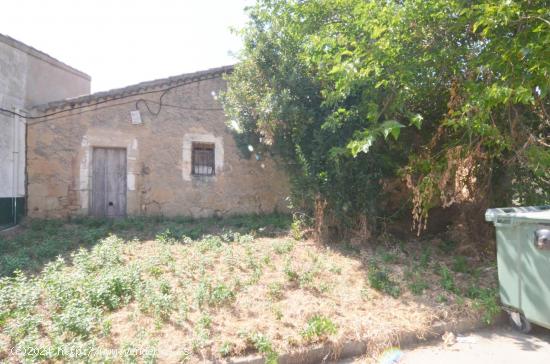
(108, 198)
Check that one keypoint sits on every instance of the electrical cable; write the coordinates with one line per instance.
(188, 108)
(164, 92)
(147, 105)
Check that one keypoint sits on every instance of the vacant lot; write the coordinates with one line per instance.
(158, 290)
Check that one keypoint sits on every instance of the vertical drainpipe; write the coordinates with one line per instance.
(15, 169)
(15, 165)
(16, 155)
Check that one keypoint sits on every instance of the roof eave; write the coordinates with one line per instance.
(136, 89)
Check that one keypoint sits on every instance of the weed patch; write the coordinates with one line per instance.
(217, 294)
(379, 279)
(460, 264)
(418, 285)
(447, 280)
(318, 328)
(156, 299)
(264, 346)
(215, 290)
(283, 248)
(486, 300)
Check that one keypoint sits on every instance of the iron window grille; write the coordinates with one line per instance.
(203, 159)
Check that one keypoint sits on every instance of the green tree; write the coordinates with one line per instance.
(449, 96)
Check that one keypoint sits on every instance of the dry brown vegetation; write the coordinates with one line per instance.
(232, 294)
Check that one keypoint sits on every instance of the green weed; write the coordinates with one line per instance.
(78, 318)
(25, 325)
(417, 285)
(290, 273)
(10, 263)
(284, 247)
(448, 246)
(112, 289)
(317, 328)
(156, 299)
(380, 280)
(18, 295)
(264, 346)
(202, 332)
(486, 300)
(205, 322)
(245, 239)
(447, 280)
(221, 294)
(275, 291)
(460, 264)
(226, 348)
(425, 257)
(389, 257)
(277, 312)
(166, 237)
(213, 295)
(155, 271)
(296, 230)
(209, 243)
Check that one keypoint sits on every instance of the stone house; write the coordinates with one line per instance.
(28, 77)
(156, 148)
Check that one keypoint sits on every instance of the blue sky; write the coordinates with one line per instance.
(122, 42)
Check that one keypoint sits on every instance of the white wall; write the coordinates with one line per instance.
(48, 82)
(12, 156)
(28, 77)
(13, 72)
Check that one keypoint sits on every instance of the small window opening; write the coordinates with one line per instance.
(203, 159)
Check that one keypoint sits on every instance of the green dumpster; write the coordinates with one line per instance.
(523, 260)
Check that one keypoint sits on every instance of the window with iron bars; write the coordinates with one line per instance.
(203, 159)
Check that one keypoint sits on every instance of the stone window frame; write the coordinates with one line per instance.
(187, 164)
(203, 159)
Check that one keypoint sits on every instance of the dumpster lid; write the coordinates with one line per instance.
(525, 213)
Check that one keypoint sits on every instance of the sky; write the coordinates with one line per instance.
(123, 42)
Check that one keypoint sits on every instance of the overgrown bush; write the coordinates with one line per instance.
(449, 98)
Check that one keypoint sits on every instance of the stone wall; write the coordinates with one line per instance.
(159, 179)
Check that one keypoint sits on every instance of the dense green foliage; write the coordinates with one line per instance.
(451, 97)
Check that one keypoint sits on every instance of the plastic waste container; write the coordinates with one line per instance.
(523, 260)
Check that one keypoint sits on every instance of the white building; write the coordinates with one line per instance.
(28, 77)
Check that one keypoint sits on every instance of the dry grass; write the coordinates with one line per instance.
(214, 298)
(333, 285)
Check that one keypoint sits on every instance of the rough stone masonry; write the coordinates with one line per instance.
(175, 113)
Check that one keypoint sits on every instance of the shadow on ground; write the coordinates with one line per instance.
(526, 342)
(38, 242)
